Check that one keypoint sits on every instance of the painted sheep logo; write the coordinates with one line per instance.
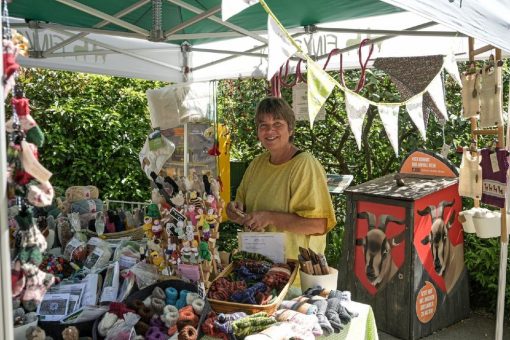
(448, 258)
(379, 265)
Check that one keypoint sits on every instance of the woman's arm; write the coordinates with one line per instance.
(259, 220)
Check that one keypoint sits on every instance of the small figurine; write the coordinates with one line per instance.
(147, 226)
(204, 252)
(191, 214)
(158, 260)
(156, 228)
(180, 230)
(190, 235)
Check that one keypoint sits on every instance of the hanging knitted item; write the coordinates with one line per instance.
(29, 126)
(413, 75)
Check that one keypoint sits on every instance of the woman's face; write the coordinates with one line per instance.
(273, 133)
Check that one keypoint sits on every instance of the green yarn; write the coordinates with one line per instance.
(35, 136)
(31, 255)
(153, 211)
(24, 219)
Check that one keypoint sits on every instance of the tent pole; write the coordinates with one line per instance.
(6, 324)
(185, 50)
(503, 254)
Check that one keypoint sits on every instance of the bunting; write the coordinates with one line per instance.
(320, 86)
(389, 117)
(356, 107)
(450, 65)
(279, 47)
(415, 109)
(418, 79)
(435, 90)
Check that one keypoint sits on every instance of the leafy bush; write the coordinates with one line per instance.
(94, 127)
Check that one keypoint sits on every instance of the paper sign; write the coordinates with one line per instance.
(300, 103)
(320, 86)
(271, 245)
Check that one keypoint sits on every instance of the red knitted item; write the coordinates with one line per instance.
(10, 65)
(21, 105)
(119, 309)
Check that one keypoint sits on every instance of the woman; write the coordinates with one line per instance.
(284, 189)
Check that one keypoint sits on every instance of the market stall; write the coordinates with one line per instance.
(190, 61)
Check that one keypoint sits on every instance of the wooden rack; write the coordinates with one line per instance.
(475, 131)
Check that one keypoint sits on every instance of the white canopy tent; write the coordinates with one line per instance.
(116, 44)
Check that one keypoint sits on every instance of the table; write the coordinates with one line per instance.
(362, 327)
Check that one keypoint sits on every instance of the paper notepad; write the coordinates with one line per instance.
(271, 245)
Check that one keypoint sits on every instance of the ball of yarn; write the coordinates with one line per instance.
(187, 333)
(157, 305)
(106, 323)
(171, 295)
(198, 306)
(141, 327)
(190, 297)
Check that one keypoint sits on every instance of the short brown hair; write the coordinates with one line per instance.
(278, 108)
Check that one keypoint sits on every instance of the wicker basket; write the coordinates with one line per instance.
(147, 291)
(220, 306)
(134, 234)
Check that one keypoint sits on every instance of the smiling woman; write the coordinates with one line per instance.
(284, 189)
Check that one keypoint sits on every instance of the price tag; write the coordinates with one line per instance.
(494, 162)
(445, 150)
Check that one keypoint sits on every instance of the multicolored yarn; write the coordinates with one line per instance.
(252, 324)
(187, 333)
(249, 295)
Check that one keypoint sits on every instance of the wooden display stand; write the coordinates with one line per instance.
(504, 234)
(498, 131)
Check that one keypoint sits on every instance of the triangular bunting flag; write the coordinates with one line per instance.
(356, 107)
(389, 117)
(279, 47)
(320, 86)
(229, 8)
(450, 65)
(412, 75)
(435, 91)
(415, 109)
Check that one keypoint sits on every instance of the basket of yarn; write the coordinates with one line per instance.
(254, 290)
(165, 308)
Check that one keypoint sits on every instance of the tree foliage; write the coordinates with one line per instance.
(94, 127)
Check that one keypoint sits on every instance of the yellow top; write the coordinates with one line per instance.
(297, 186)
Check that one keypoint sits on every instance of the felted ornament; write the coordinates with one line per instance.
(37, 282)
(40, 195)
(33, 133)
(35, 333)
(9, 55)
(70, 333)
(32, 165)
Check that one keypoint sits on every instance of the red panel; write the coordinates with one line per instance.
(392, 230)
(423, 224)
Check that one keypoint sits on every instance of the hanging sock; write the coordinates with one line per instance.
(33, 133)
(32, 165)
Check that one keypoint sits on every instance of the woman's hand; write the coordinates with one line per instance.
(257, 220)
(235, 212)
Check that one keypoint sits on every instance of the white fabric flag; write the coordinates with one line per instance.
(450, 65)
(415, 109)
(435, 90)
(320, 86)
(229, 8)
(389, 117)
(279, 47)
(356, 107)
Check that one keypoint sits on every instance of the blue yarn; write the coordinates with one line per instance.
(181, 302)
(248, 295)
(171, 296)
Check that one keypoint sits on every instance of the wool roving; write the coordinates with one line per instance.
(308, 320)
